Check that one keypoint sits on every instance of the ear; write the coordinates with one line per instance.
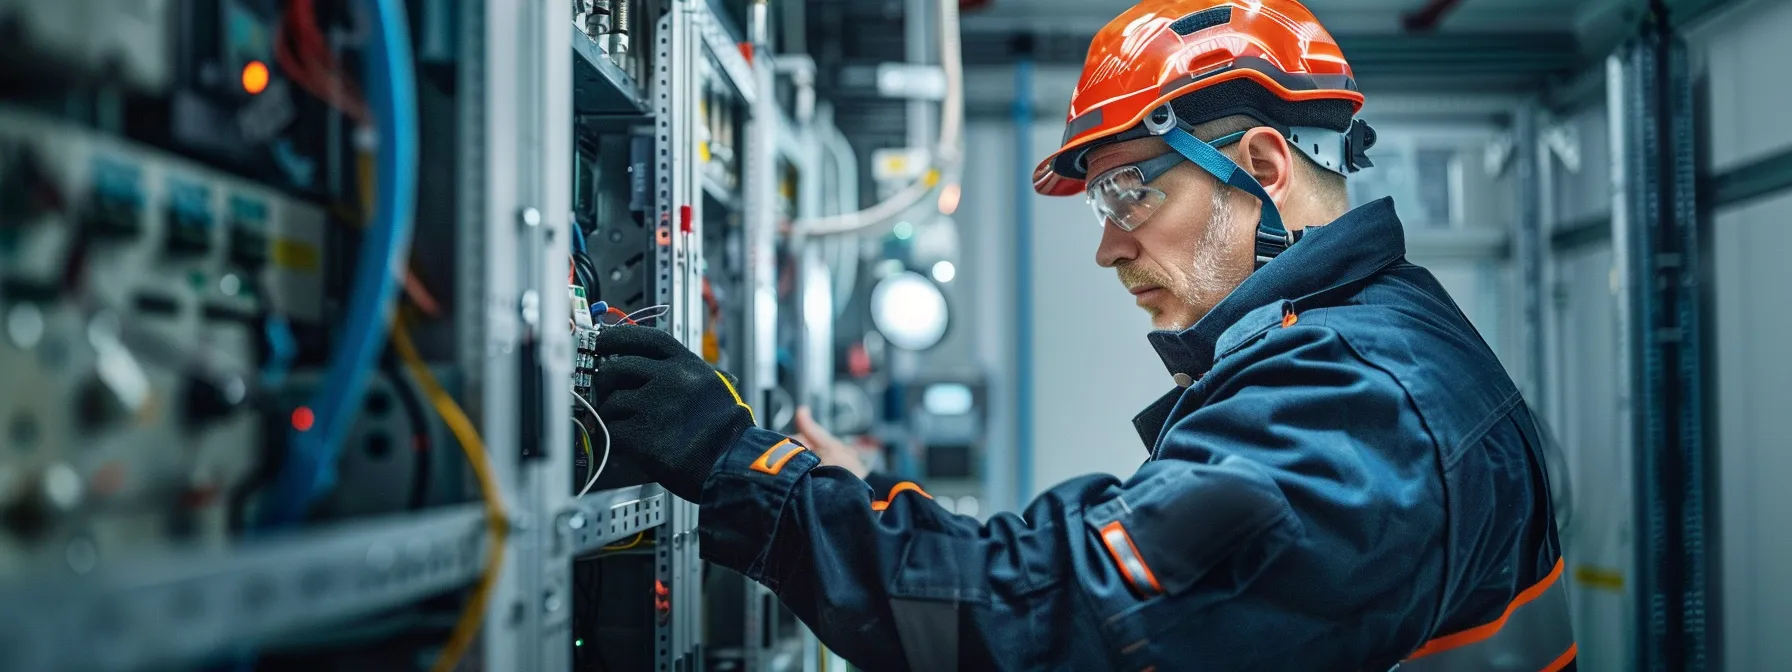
(1265, 154)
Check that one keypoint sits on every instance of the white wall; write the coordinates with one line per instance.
(1582, 405)
(1092, 367)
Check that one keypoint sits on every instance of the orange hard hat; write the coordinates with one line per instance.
(1187, 62)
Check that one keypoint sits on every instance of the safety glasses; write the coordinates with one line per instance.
(1124, 195)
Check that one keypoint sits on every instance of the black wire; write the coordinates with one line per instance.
(585, 274)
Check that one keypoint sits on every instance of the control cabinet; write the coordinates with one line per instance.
(232, 436)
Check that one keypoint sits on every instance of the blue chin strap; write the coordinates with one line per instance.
(1272, 237)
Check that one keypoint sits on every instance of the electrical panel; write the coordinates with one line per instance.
(233, 435)
(139, 291)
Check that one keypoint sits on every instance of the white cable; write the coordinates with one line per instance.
(606, 460)
(945, 154)
(657, 311)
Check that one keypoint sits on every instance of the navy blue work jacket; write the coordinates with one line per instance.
(1345, 473)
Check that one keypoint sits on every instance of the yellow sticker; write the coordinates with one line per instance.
(297, 255)
(1602, 578)
(703, 152)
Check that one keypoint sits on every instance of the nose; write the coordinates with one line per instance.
(1117, 246)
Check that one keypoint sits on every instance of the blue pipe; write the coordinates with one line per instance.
(1023, 283)
(310, 467)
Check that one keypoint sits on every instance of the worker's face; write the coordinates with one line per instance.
(1192, 252)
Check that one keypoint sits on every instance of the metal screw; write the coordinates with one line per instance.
(552, 602)
(25, 325)
(531, 217)
(577, 521)
(678, 540)
(531, 307)
(62, 486)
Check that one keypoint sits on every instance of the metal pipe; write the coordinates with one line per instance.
(1428, 17)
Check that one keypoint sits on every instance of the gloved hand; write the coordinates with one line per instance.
(665, 407)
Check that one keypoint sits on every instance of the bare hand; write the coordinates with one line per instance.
(828, 447)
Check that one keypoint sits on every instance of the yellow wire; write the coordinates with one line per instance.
(473, 615)
(590, 455)
(631, 544)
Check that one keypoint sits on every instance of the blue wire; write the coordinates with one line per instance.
(578, 237)
(310, 467)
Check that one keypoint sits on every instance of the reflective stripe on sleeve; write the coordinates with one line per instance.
(1126, 556)
(773, 459)
(1533, 634)
(899, 488)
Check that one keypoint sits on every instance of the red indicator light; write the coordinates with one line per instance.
(302, 417)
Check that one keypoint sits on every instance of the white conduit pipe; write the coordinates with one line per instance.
(945, 153)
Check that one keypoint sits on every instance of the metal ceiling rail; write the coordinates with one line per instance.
(1766, 176)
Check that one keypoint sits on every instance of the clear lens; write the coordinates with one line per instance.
(1120, 196)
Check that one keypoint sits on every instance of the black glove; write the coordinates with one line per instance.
(665, 407)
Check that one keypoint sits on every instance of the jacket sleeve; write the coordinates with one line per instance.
(1207, 557)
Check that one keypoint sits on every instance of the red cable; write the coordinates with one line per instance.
(317, 73)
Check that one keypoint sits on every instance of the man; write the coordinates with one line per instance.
(1343, 478)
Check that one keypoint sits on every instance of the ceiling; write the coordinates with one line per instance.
(1340, 16)
(1479, 47)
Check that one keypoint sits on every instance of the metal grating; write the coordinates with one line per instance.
(1657, 236)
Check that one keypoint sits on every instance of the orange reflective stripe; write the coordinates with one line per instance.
(905, 486)
(1483, 632)
(1564, 659)
(773, 459)
(1126, 556)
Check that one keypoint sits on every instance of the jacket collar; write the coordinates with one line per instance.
(1353, 247)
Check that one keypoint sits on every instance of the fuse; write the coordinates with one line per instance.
(598, 21)
(619, 28)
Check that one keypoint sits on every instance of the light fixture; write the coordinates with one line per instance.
(944, 272)
(909, 310)
(947, 399)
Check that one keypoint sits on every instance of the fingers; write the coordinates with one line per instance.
(806, 430)
(630, 340)
(813, 434)
(620, 374)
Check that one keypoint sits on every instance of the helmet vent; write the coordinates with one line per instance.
(1202, 20)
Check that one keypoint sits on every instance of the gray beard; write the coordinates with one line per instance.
(1214, 274)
